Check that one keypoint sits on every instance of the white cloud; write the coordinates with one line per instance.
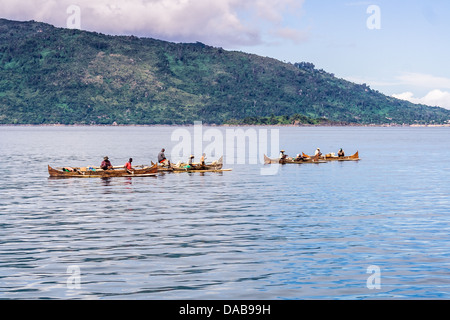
(215, 22)
(370, 82)
(433, 98)
(438, 96)
(408, 96)
(409, 79)
(295, 35)
(424, 80)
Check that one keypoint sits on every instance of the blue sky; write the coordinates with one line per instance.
(405, 57)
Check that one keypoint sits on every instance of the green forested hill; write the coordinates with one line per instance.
(54, 75)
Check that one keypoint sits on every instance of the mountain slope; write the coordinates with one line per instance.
(55, 75)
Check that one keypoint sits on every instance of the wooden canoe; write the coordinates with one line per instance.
(200, 170)
(162, 168)
(215, 166)
(329, 157)
(99, 173)
(267, 160)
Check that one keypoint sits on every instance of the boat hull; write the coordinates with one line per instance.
(268, 160)
(213, 167)
(199, 168)
(354, 157)
(122, 172)
(163, 168)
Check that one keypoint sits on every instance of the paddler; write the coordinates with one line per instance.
(162, 158)
(202, 159)
(318, 152)
(299, 157)
(128, 165)
(282, 155)
(190, 162)
(106, 164)
(341, 153)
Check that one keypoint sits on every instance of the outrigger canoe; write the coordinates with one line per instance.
(162, 168)
(72, 172)
(215, 166)
(331, 157)
(200, 170)
(306, 159)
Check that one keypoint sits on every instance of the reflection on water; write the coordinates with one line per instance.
(311, 231)
(106, 181)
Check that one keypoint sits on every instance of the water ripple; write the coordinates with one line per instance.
(309, 232)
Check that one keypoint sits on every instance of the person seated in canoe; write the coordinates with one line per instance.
(106, 164)
(282, 155)
(190, 163)
(341, 153)
(128, 166)
(299, 157)
(202, 160)
(318, 153)
(162, 158)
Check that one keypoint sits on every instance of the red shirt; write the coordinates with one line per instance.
(128, 166)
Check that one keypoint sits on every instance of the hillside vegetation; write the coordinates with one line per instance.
(52, 75)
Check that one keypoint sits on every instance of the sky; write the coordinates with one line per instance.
(399, 47)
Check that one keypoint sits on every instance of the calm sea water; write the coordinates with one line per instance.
(308, 232)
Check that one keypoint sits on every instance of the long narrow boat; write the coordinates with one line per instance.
(330, 157)
(307, 159)
(178, 170)
(182, 167)
(72, 172)
(162, 168)
(215, 166)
